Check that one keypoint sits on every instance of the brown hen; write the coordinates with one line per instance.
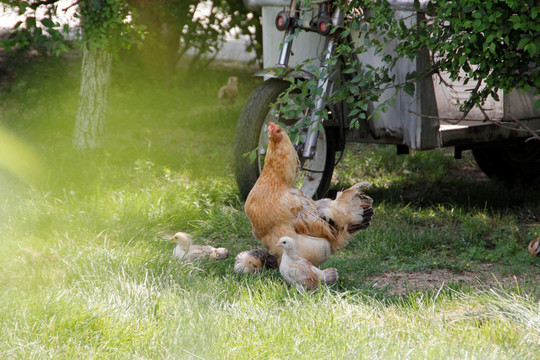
(276, 209)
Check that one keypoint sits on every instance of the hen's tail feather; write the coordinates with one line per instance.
(366, 221)
(358, 208)
(350, 212)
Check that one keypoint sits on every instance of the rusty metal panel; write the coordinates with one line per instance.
(449, 98)
(520, 106)
(401, 120)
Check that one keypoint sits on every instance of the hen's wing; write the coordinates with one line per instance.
(307, 219)
(336, 220)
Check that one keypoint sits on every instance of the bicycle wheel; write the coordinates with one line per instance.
(251, 133)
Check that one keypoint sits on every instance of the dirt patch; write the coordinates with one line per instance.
(399, 283)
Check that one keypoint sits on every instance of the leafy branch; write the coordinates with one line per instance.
(494, 44)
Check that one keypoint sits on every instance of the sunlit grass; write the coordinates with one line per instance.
(87, 271)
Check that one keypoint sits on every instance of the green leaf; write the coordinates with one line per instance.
(515, 19)
(252, 155)
(409, 89)
(537, 104)
(30, 22)
(477, 15)
(353, 89)
(524, 41)
(531, 48)
(48, 23)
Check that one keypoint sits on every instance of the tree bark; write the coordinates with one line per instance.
(93, 95)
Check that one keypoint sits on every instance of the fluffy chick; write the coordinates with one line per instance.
(186, 251)
(534, 247)
(228, 93)
(251, 261)
(299, 271)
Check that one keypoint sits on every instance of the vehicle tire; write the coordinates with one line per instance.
(513, 163)
(251, 134)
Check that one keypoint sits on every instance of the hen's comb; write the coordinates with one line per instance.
(271, 127)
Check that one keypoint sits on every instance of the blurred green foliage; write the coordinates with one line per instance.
(164, 31)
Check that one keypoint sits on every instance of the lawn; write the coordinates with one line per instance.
(87, 272)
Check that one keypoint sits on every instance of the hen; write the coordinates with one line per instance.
(299, 271)
(276, 209)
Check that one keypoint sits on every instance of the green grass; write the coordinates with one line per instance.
(86, 272)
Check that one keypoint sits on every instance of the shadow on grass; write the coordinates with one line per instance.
(489, 195)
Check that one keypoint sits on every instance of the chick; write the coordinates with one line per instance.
(299, 271)
(251, 261)
(534, 247)
(228, 93)
(186, 251)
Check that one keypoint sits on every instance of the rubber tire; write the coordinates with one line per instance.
(248, 131)
(513, 163)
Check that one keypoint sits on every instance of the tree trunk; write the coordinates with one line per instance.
(92, 111)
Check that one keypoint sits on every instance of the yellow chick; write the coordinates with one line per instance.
(228, 93)
(251, 261)
(186, 251)
(300, 272)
